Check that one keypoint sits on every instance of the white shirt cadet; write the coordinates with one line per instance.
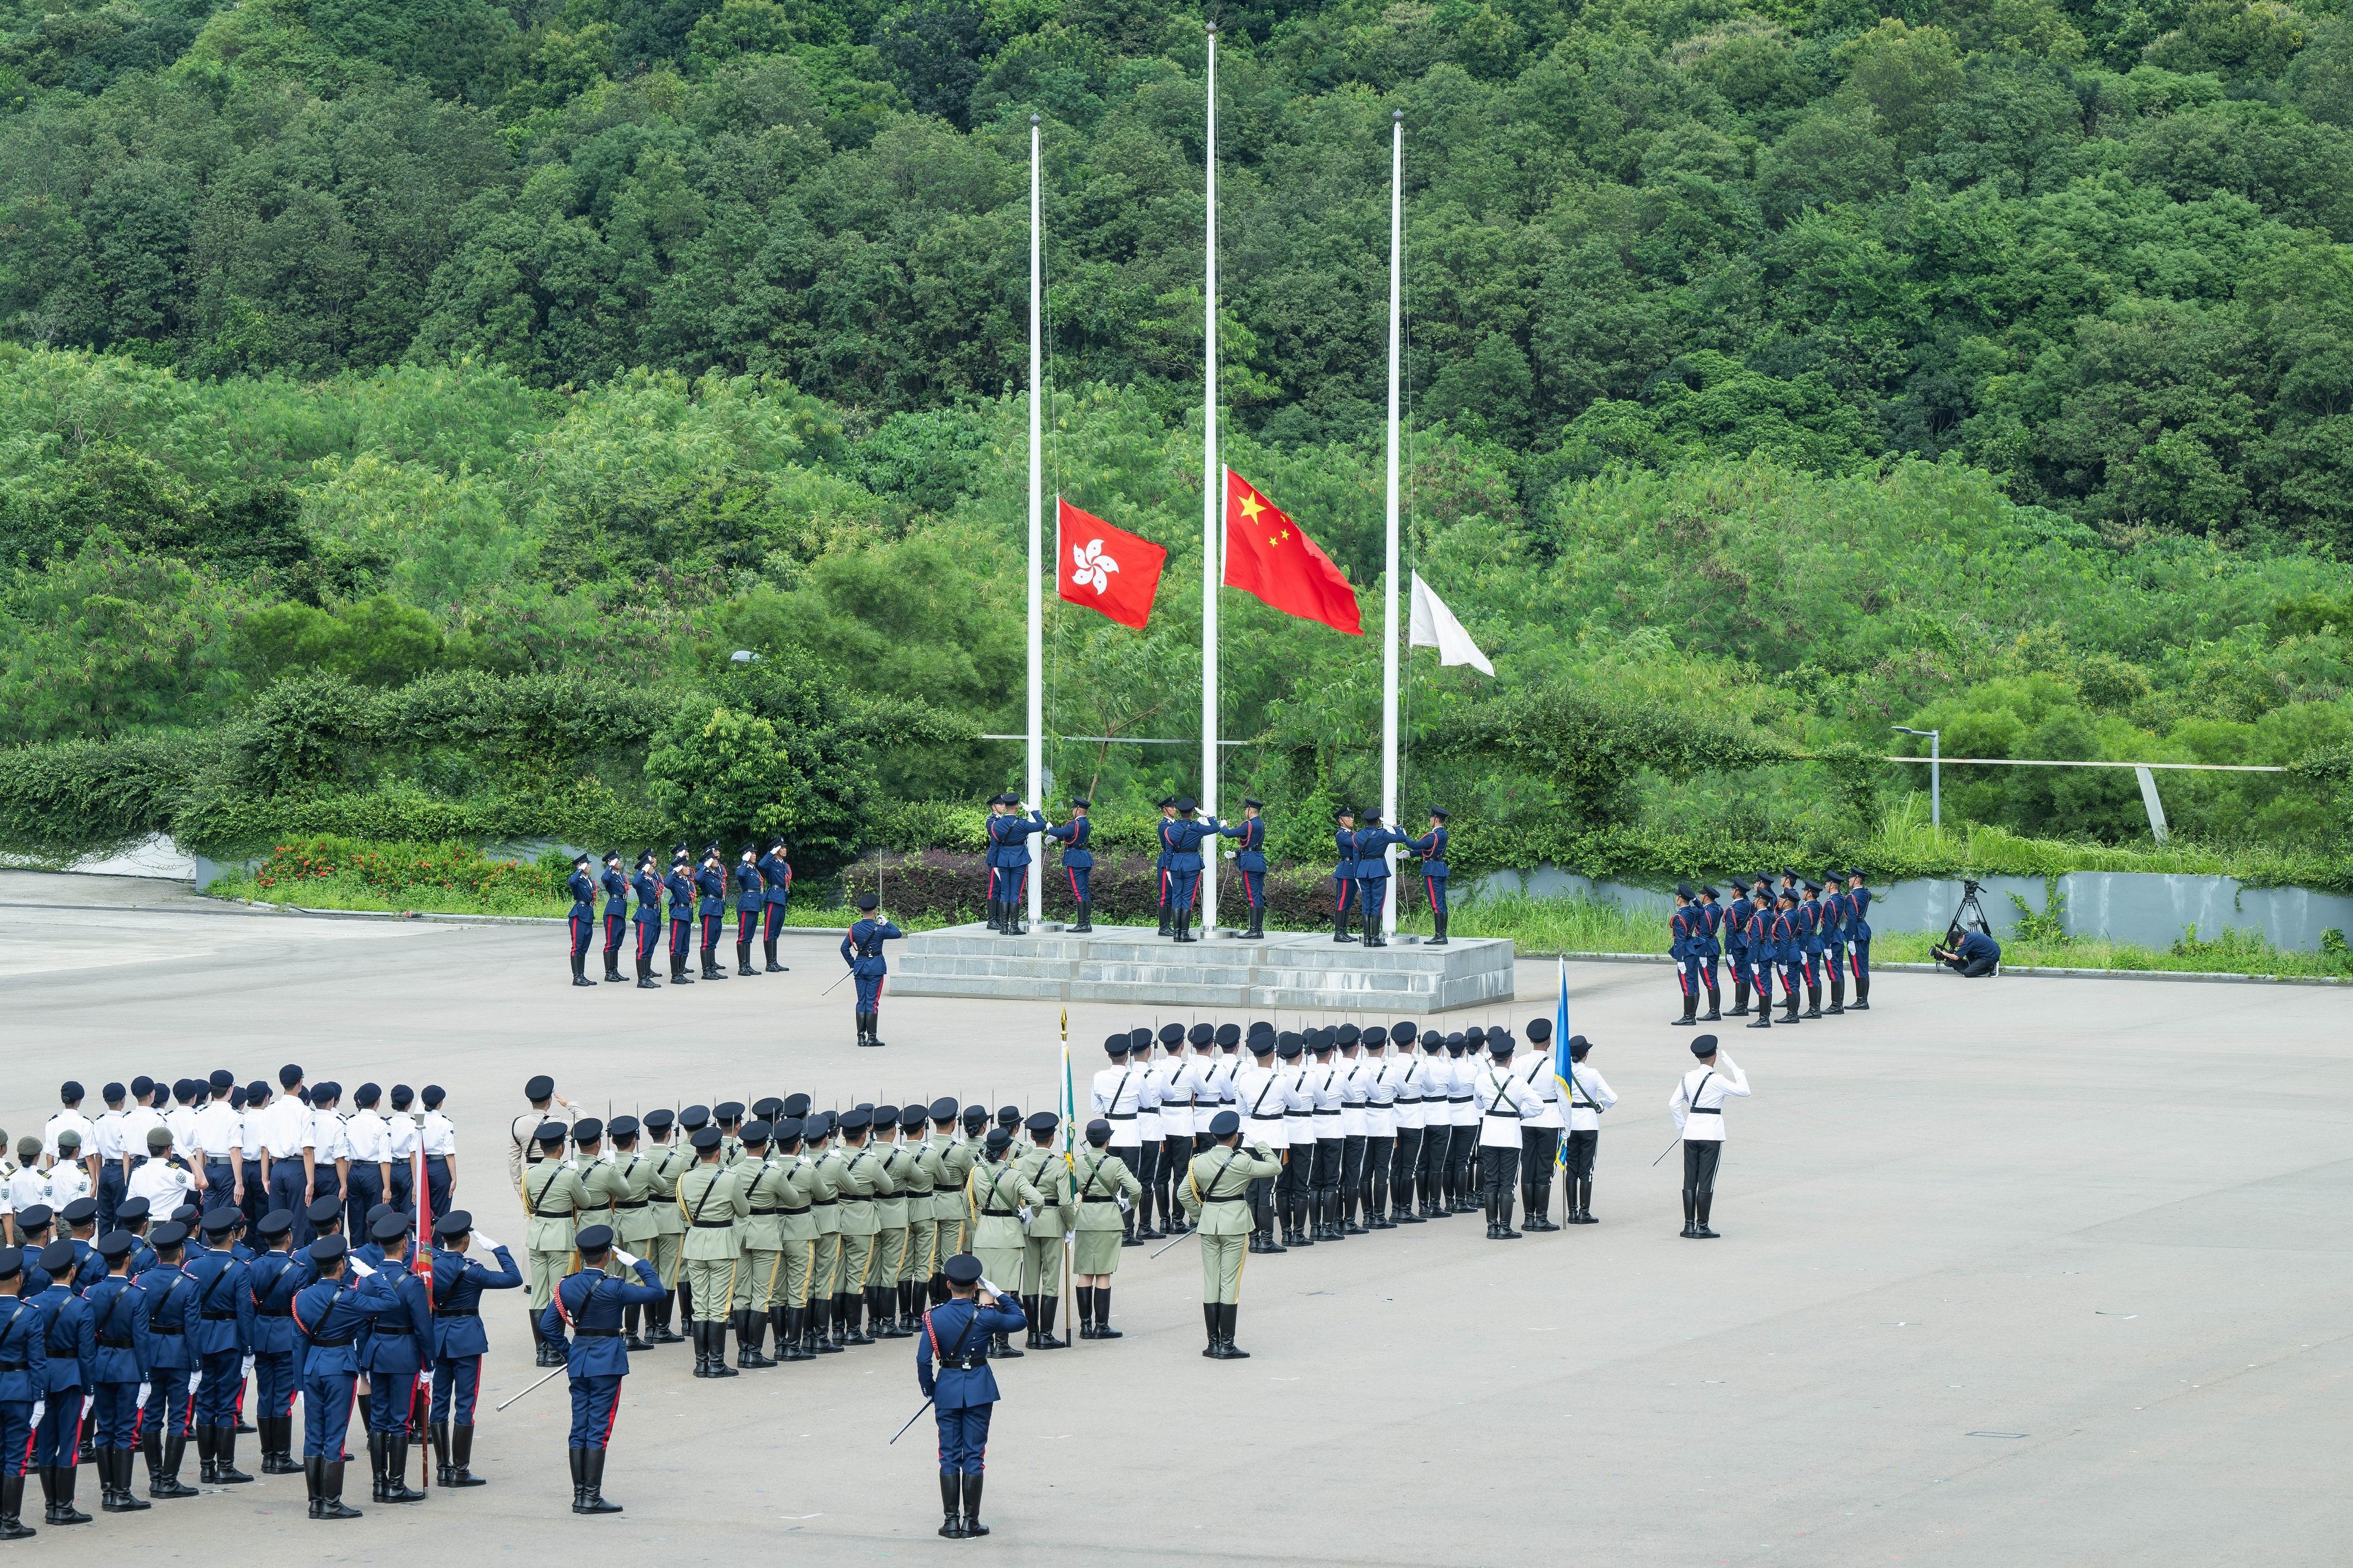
(1258, 1096)
(60, 1121)
(1698, 1099)
(329, 1142)
(1114, 1099)
(1594, 1096)
(285, 1128)
(137, 1123)
(1537, 1073)
(369, 1137)
(213, 1131)
(1503, 1103)
(67, 1181)
(1324, 1088)
(438, 1134)
(1356, 1090)
(106, 1139)
(1176, 1080)
(27, 1188)
(406, 1137)
(1147, 1096)
(1462, 1071)
(160, 1182)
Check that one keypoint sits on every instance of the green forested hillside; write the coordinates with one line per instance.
(405, 408)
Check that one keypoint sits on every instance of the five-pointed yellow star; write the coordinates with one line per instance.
(1251, 507)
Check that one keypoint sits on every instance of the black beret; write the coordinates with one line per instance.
(1225, 1124)
(1098, 1132)
(432, 1094)
(540, 1087)
(1539, 1030)
(171, 1233)
(130, 1211)
(81, 1211)
(1200, 1034)
(1170, 1033)
(324, 1211)
(1042, 1121)
(320, 1093)
(68, 1091)
(328, 1248)
(236, 1097)
(12, 1262)
(797, 1105)
(695, 1116)
(788, 1129)
(391, 1227)
(222, 1077)
(551, 1133)
(658, 1121)
(707, 1138)
(912, 1119)
(1117, 1046)
(142, 1085)
(587, 1129)
(1229, 1035)
(622, 1127)
(596, 1238)
(943, 1109)
(288, 1076)
(1704, 1045)
(277, 1221)
(758, 1131)
(58, 1257)
(964, 1268)
(112, 1091)
(367, 1094)
(115, 1244)
(999, 1138)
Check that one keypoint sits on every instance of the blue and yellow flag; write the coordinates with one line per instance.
(1564, 1071)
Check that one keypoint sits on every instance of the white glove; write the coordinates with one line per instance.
(40, 1408)
(991, 1285)
(482, 1240)
(1124, 1206)
(1028, 1213)
(144, 1391)
(248, 1366)
(627, 1261)
(360, 1267)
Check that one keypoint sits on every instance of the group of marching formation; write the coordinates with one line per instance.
(1807, 930)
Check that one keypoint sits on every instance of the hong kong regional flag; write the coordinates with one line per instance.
(1105, 568)
(1267, 555)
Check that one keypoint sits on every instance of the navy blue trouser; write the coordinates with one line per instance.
(615, 924)
(1436, 888)
(286, 1191)
(774, 919)
(1254, 889)
(870, 993)
(114, 1415)
(457, 1380)
(1082, 880)
(583, 926)
(257, 1193)
(1375, 892)
(963, 1439)
(15, 1436)
(682, 938)
(391, 1399)
(595, 1405)
(274, 1382)
(216, 1393)
(110, 1195)
(168, 1400)
(366, 1189)
(58, 1441)
(437, 1183)
(326, 1412)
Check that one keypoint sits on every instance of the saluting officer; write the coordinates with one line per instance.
(589, 1303)
(1697, 1105)
(1214, 1193)
(646, 916)
(552, 1198)
(775, 900)
(680, 886)
(1167, 804)
(952, 1369)
(861, 948)
(711, 909)
(1431, 848)
(1249, 862)
(1106, 1189)
(1077, 861)
(459, 1341)
(617, 911)
(714, 1207)
(1000, 1201)
(583, 888)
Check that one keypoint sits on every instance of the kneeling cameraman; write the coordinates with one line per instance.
(1975, 955)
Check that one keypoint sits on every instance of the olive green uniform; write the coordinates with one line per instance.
(795, 1233)
(607, 1188)
(900, 1164)
(825, 1265)
(862, 1182)
(712, 1201)
(958, 1157)
(552, 1200)
(662, 1171)
(766, 1194)
(921, 1182)
(1041, 1241)
(1102, 1179)
(995, 1195)
(1214, 1195)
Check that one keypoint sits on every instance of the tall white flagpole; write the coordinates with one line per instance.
(1036, 522)
(1389, 597)
(1213, 500)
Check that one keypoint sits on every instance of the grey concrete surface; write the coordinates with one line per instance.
(2018, 1271)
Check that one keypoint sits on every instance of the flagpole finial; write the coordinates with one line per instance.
(1034, 119)
(1396, 114)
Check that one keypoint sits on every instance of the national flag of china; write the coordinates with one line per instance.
(1268, 555)
(1105, 568)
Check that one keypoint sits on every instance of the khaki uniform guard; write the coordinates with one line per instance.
(1046, 1169)
(1106, 1191)
(552, 1197)
(1214, 1194)
(997, 1199)
(862, 1181)
(713, 1202)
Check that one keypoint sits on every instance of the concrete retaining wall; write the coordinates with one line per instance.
(2145, 909)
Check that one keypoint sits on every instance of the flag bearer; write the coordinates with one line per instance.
(1077, 861)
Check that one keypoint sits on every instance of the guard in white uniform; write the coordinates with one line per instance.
(438, 1137)
(1590, 1095)
(1380, 1125)
(1213, 1083)
(1503, 1100)
(1260, 1101)
(69, 1119)
(1292, 1188)
(105, 1141)
(1179, 1078)
(1698, 1107)
(1540, 1133)
(1355, 1088)
(1147, 1123)
(1113, 1099)
(1322, 1081)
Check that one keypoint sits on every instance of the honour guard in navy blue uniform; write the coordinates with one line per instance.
(118, 1311)
(219, 1329)
(1682, 946)
(1167, 804)
(1835, 909)
(73, 1356)
(1008, 851)
(24, 1381)
(1807, 916)
(459, 1341)
(1250, 861)
(1373, 873)
(1708, 921)
(399, 1349)
(646, 916)
(1344, 871)
(590, 1304)
(1858, 938)
(680, 886)
(1431, 848)
(583, 888)
(775, 897)
(328, 1315)
(1077, 861)
(1789, 950)
(270, 1281)
(1735, 945)
(1183, 836)
(171, 1303)
(952, 1368)
(617, 912)
(711, 907)
(751, 900)
(863, 951)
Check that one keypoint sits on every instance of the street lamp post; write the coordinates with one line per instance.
(1936, 783)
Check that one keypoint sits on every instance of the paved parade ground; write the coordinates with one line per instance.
(2015, 1272)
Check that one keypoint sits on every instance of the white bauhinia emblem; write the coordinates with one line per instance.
(1089, 567)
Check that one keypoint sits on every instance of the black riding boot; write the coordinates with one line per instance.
(1340, 926)
(224, 1470)
(1085, 923)
(1813, 998)
(768, 952)
(1690, 1010)
(1838, 995)
(1706, 1202)
(1714, 1011)
(1441, 920)
(1691, 1211)
(951, 1505)
(1739, 998)
(972, 1525)
(579, 970)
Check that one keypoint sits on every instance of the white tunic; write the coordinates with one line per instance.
(439, 1135)
(1461, 1109)
(1114, 1099)
(1540, 1077)
(369, 1137)
(1324, 1088)
(1356, 1093)
(1404, 1088)
(406, 1137)
(1380, 1097)
(1177, 1098)
(1298, 1104)
(1594, 1096)
(1147, 1100)
(1698, 1099)
(1504, 1102)
(61, 1121)
(1258, 1096)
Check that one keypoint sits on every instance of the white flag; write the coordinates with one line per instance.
(1434, 626)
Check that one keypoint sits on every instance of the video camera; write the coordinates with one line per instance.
(1970, 916)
